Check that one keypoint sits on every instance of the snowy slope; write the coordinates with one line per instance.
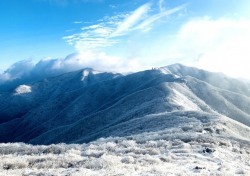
(192, 143)
(85, 105)
(216, 79)
(174, 120)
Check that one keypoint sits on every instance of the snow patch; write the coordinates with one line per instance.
(85, 74)
(165, 71)
(23, 89)
(97, 72)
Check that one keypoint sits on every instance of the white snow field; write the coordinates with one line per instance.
(23, 89)
(174, 120)
(204, 148)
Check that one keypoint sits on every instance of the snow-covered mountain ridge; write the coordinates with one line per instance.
(85, 105)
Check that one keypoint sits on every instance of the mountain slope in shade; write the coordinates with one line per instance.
(86, 105)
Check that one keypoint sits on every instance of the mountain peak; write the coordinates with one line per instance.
(88, 71)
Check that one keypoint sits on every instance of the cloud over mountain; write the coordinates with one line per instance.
(27, 71)
(215, 44)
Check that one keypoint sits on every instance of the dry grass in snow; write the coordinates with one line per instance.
(201, 155)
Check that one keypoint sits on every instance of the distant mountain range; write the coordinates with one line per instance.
(85, 105)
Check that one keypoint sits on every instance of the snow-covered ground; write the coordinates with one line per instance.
(193, 143)
(156, 155)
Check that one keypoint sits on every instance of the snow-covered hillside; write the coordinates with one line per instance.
(200, 144)
(169, 120)
(85, 105)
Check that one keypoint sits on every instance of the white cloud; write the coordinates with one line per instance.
(220, 45)
(149, 21)
(94, 36)
(131, 20)
(161, 4)
(24, 72)
(19, 69)
(77, 22)
(110, 30)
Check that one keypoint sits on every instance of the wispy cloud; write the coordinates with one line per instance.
(69, 30)
(95, 36)
(131, 20)
(161, 5)
(77, 22)
(146, 23)
(112, 6)
(109, 30)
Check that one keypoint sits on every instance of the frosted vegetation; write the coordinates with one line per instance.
(145, 154)
(203, 145)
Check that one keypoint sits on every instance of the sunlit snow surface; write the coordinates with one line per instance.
(216, 145)
(153, 155)
(23, 89)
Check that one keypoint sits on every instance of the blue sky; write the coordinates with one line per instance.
(121, 35)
